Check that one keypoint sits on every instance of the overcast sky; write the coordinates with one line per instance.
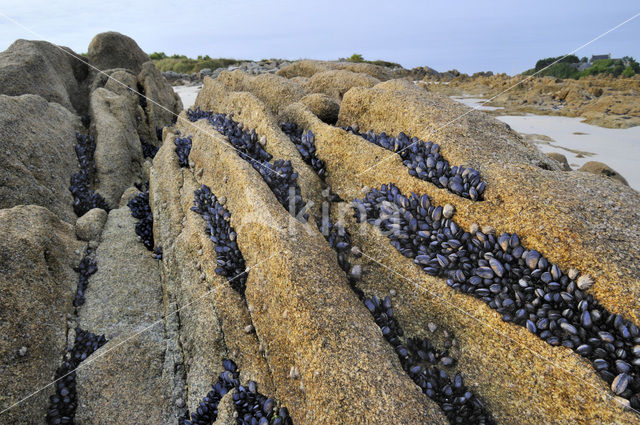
(502, 36)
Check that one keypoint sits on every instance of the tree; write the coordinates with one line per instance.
(356, 57)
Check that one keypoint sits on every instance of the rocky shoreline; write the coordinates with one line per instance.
(299, 248)
(600, 100)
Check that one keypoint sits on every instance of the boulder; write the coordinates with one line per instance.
(37, 157)
(37, 283)
(604, 170)
(323, 106)
(327, 358)
(561, 159)
(308, 68)
(123, 297)
(336, 83)
(114, 50)
(89, 226)
(276, 92)
(44, 69)
(162, 103)
(118, 155)
(573, 219)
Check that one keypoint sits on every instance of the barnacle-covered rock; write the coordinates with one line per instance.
(323, 106)
(308, 68)
(276, 92)
(337, 82)
(328, 384)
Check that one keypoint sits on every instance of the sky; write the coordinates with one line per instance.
(470, 36)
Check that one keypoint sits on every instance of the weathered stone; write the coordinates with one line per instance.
(604, 170)
(118, 155)
(114, 50)
(37, 283)
(337, 83)
(128, 195)
(323, 106)
(44, 69)
(212, 328)
(276, 92)
(123, 297)
(561, 159)
(308, 68)
(163, 104)
(521, 196)
(37, 157)
(89, 226)
(346, 366)
(226, 410)
(253, 113)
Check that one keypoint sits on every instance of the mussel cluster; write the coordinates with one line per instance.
(148, 150)
(229, 258)
(339, 240)
(183, 149)
(63, 404)
(426, 163)
(420, 360)
(157, 253)
(279, 176)
(85, 269)
(522, 285)
(252, 407)
(306, 145)
(84, 198)
(141, 210)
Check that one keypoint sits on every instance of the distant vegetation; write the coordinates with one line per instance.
(357, 58)
(185, 65)
(566, 67)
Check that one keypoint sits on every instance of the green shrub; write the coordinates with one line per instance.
(356, 57)
(548, 61)
(157, 55)
(628, 72)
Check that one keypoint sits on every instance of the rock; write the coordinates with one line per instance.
(44, 69)
(323, 106)
(336, 83)
(337, 378)
(561, 159)
(163, 104)
(579, 216)
(214, 327)
(37, 157)
(128, 195)
(123, 297)
(215, 97)
(89, 226)
(275, 91)
(308, 68)
(601, 169)
(127, 281)
(118, 155)
(114, 50)
(37, 283)
(227, 410)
